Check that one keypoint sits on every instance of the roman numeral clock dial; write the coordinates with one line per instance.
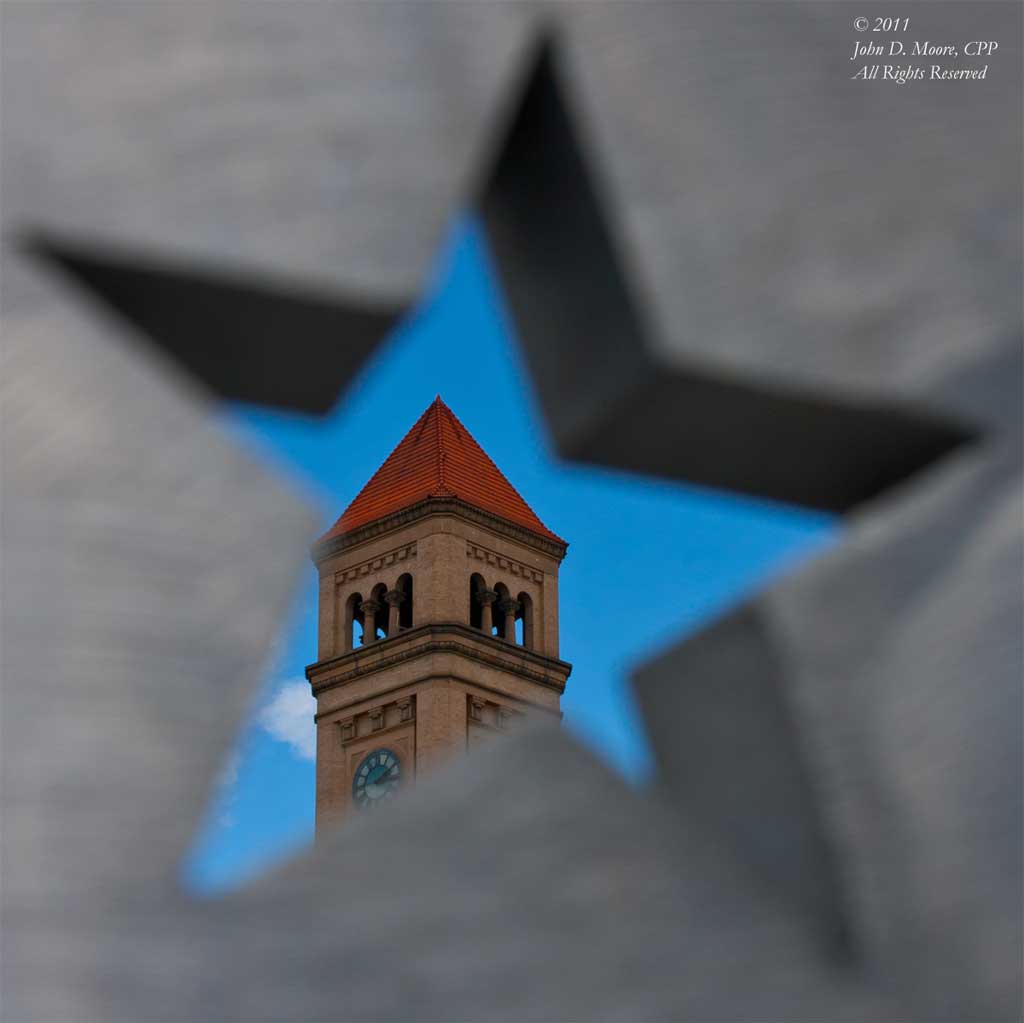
(377, 778)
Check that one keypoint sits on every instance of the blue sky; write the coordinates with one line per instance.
(688, 554)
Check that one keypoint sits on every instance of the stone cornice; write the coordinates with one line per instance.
(454, 637)
(388, 696)
(437, 506)
(402, 553)
(503, 562)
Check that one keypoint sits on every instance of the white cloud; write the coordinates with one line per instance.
(288, 717)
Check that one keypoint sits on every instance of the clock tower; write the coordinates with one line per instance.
(438, 620)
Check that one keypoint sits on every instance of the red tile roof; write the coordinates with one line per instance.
(438, 457)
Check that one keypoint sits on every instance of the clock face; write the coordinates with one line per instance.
(377, 777)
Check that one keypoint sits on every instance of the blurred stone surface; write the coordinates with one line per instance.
(812, 279)
(772, 246)
(326, 143)
(537, 886)
(146, 563)
(883, 683)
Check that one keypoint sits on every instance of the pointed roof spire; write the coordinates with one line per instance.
(438, 457)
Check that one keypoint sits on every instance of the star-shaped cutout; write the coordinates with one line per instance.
(859, 450)
(261, 339)
(649, 561)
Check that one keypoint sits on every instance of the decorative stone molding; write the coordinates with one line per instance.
(394, 557)
(438, 506)
(486, 597)
(382, 718)
(503, 564)
(393, 598)
(509, 606)
(492, 714)
(458, 638)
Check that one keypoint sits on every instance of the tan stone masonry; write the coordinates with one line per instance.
(433, 682)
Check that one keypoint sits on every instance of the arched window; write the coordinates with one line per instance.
(524, 621)
(476, 585)
(405, 616)
(353, 618)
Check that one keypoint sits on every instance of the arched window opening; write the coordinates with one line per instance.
(353, 621)
(476, 587)
(524, 621)
(404, 586)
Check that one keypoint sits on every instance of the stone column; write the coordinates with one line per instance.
(393, 598)
(509, 609)
(485, 598)
(369, 609)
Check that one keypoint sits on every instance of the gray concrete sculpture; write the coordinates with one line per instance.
(780, 280)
